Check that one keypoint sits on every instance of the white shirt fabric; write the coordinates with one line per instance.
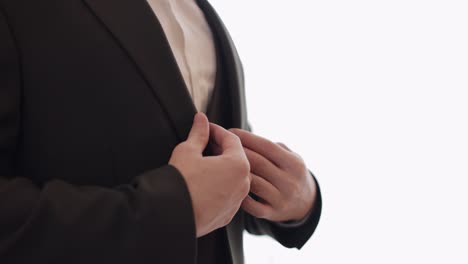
(191, 41)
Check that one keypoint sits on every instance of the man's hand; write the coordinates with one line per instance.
(279, 178)
(217, 184)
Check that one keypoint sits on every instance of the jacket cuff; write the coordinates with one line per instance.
(168, 210)
(297, 233)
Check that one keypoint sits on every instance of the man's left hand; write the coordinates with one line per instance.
(280, 179)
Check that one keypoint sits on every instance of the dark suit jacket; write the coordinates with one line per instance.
(91, 106)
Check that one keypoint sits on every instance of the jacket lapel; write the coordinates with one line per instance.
(232, 64)
(235, 90)
(136, 28)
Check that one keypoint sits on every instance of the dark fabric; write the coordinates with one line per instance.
(212, 248)
(92, 104)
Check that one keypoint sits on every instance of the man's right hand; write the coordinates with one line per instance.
(217, 184)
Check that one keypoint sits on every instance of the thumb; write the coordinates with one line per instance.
(200, 132)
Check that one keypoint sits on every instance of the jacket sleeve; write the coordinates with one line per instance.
(290, 236)
(58, 222)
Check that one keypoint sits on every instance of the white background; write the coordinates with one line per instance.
(373, 95)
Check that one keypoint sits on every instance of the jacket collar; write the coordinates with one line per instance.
(137, 29)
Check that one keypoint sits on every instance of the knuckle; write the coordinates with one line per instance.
(178, 149)
(240, 165)
(235, 138)
(298, 158)
(245, 167)
(229, 217)
(298, 164)
(246, 188)
(302, 168)
(226, 221)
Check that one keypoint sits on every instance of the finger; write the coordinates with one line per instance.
(265, 190)
(276, 154)
(262, 167)
(200, 132)
(227, 142)
(284, 146)
(257, 209)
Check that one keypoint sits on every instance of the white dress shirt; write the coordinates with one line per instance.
(192, 44)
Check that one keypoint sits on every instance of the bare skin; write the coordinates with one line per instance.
(279, 177)
(217, 184)
(243, 163)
